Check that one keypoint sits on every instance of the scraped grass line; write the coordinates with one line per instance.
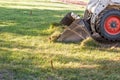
(26, 53)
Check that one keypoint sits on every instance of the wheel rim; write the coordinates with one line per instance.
(112, 25)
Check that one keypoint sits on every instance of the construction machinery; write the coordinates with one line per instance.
(101, 17)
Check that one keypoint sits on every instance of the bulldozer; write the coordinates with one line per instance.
(101, 17)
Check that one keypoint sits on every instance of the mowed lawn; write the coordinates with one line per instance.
(27, 54)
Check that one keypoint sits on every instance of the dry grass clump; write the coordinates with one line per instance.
(54, 36)
(56, 29)
(89, 42)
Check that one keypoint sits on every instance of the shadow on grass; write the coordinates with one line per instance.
(18, 67)
(23, 68)
(108, 70)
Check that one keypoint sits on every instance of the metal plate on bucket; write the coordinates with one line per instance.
(75, 32)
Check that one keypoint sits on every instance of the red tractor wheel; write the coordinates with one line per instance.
(112, 25)
(109, 24)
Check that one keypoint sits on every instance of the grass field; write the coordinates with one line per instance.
(27, 54)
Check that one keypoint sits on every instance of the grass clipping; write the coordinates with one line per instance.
(89, 43)
(57, 29)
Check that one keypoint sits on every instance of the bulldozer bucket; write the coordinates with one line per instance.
(78, 29)
(75, 32)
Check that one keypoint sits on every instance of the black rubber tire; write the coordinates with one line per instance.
(101, 21)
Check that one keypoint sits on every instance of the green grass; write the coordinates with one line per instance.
(27, 54)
